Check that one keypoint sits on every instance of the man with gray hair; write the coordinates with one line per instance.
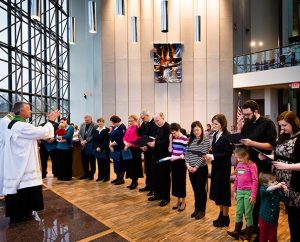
(88, 159)
(22, 179)
(147, 128)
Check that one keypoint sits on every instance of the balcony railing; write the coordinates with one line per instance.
(268, 59)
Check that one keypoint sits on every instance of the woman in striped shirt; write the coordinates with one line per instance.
(178, 143)
(198, 146)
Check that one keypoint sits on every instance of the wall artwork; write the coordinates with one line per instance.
(167, 63)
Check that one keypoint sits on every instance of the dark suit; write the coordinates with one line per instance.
(148, 129)
(101, 140)
(88, 160)
(117, 135)
(220, 170)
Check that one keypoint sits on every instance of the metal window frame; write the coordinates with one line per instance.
(38, 63)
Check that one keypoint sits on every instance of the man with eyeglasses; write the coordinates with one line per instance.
(260, 133)
(148, 128)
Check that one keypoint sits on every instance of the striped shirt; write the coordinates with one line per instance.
(194, 160)
(179, 145)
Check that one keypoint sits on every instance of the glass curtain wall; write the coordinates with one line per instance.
(34, 57)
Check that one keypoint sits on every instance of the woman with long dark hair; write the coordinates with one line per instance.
(198, 145)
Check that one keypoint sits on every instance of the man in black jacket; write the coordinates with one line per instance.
(148, 128)
(162, 179)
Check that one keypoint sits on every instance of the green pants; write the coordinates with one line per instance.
(243, 206)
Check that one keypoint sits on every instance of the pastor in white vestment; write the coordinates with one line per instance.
(22, 180)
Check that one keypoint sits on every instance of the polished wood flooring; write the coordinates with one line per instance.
(129, 214)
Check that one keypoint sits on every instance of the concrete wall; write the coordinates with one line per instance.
(85, 65)
(128, 83)
(267, 77)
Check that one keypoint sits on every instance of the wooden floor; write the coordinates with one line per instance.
(128, 213)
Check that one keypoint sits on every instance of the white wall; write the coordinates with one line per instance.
(128, 82)
(267, 77)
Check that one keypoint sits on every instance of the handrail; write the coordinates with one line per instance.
(268, 59)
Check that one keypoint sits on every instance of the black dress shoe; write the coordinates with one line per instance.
(133, 186)
(119, 182)
(151, 193)
(144, 189)
(153, 198)
(105, 180)
(83, 177)
(163, 203)
(194, 213)
(114, 181)
(99, 179)
(91, 178)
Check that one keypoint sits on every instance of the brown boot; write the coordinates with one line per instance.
(247, 236)
(237, 230)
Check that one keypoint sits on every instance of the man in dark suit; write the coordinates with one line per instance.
(87, 157)
(148, 128)
(162, 179)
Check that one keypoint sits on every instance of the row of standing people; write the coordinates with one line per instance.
(258, 131)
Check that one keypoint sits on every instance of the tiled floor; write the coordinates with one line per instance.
(59, 221)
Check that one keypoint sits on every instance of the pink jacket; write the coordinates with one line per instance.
(246, 178)
(131, 135)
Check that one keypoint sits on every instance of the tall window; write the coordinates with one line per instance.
(34, 57)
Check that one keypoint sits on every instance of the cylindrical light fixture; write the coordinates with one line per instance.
(72, 30)
(197, 28)
(92, 17)
(134, 29)
(35, 8)
(120, 8)
(164, 16)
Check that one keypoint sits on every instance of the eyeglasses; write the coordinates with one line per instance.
(130, 120)
(247, 114)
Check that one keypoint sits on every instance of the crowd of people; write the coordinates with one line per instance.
(268, 169)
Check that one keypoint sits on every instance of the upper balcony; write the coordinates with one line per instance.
(269, 67)
(269, 59)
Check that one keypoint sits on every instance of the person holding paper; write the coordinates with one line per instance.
(147, 128)
(197, 167)
(220, 157)
(287, 156)
(162, 182)
(101, 144)
(116, 144)
(134, 169)
(48, 149)
(178, 143)
(65, 151)
(260, 133)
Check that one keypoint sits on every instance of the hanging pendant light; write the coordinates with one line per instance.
(72, 30)
(120, 8)
(164, 16)
(92, 17)
(197, 28)
(134, 29)
(35, 8)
